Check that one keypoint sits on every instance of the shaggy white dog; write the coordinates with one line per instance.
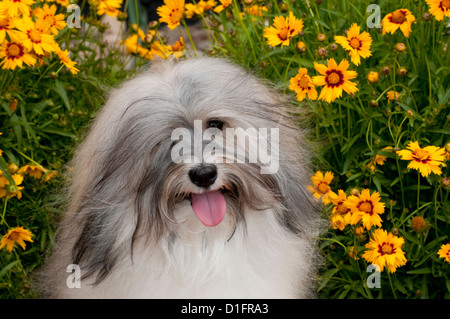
(148, 218)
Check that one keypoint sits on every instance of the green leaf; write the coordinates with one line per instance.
(421, 271)
(14, 122)
(58, 132)
(7, 267)
(59, 88)
(325, 278)
(395, 181)
(377, 183)
(400, 287)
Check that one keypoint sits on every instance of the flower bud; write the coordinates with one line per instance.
(402, 71)
(301, 46)
(153, 24)
(13, 168)
(322, 52)
(372, 77)
(418, 224)
(400, 47)
(445, 181)
(13, 105)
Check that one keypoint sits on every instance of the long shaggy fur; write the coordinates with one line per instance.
(129, 224)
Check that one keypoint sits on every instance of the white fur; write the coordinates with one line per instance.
(265, 263)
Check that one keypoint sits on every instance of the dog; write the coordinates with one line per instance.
(145, 218)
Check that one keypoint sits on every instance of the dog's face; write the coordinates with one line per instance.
(213, 141)
(200, 133)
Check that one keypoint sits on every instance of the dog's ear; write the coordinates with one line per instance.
(301, 214)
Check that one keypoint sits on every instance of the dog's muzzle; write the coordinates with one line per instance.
(209, 206)
(203, 175)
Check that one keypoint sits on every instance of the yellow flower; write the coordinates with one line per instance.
(373, 77)
(14, 54)
(337, 222)
(37, 38)
(393, 96)
(340, 208)
(359, 231)
(199, 8)
(6, 25)
(34, 171)
(15, 8)
(321, 188)
(357, 43)
(223, 5)
(444, 252)
(132, 44)
(16, 235)
(177, 48)
(302, 85)
(283, 30)
(108, 7)
(385, 250)
(399, 19)
(171, 12)
(366, 208)
(158, 49)
(353, 253)
(439, 8)
(48, 14)
(12, 190)
(334, 78)
(64, 57)
(49, 175)
(379, 159)
(425, 160)
(3, 180)
(255, 10)
(63, 3)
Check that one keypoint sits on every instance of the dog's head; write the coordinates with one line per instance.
(202, 133)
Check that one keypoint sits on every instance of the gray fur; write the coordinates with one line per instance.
(122, 176)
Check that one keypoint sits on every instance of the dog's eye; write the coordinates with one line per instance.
(215, 124)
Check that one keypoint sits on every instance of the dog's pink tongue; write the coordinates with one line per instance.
(209, 207)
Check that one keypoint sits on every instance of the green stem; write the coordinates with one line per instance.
(418, 190)
(390, 282)
(237, 14)
(3, 221)
(401, 186)
(334, 241)
(413, 213)
(190, 37)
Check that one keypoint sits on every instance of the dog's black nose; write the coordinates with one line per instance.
(204, 175)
